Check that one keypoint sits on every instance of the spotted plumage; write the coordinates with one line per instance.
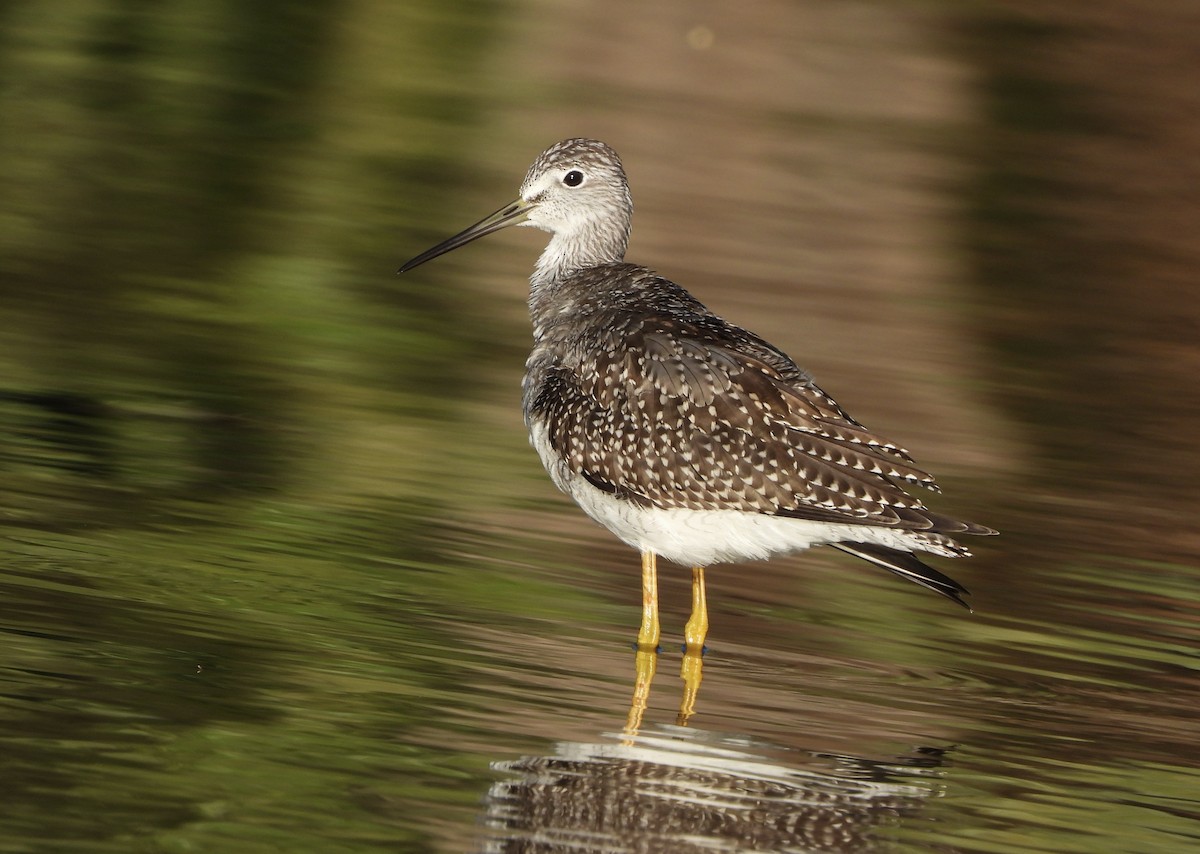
(689, 437)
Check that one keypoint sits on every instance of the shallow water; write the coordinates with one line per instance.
(281, 573)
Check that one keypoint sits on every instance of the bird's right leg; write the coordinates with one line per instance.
(648, 634)
(647, 643)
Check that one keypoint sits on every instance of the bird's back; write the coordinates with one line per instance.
(650, 396)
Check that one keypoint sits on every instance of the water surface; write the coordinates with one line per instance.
(281, 573)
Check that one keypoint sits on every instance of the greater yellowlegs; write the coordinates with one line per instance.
(686, 436)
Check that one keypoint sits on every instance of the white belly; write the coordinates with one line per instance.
(706, 537)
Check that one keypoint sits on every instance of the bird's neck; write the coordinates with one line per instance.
(565, 255)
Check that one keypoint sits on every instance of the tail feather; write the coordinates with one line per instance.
(906, 565)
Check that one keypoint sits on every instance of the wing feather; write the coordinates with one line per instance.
(690, 412)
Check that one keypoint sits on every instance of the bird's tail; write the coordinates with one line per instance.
(906, 565)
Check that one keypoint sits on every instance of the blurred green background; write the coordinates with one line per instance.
(280, 571)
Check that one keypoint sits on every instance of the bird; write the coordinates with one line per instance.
(690, 438)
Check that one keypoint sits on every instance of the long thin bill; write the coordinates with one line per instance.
(514, 213)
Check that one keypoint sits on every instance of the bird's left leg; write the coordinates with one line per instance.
(697, 625)
(693, 650)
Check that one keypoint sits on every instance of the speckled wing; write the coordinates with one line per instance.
(694, 413)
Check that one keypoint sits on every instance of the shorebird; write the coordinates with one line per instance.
(687, 437)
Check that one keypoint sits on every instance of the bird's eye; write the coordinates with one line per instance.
(573, 178)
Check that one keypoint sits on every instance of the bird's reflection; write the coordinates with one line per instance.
(674, 789)
(645, 664)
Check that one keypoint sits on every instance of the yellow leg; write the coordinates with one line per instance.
(645, 663)
(648, 634)
(693, 635)
(697, 625)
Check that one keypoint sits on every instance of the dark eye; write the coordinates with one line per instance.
(573, 178)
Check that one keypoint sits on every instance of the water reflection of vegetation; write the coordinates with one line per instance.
(250, 678)
(210, 375)
(147, 255)
(176, 332)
